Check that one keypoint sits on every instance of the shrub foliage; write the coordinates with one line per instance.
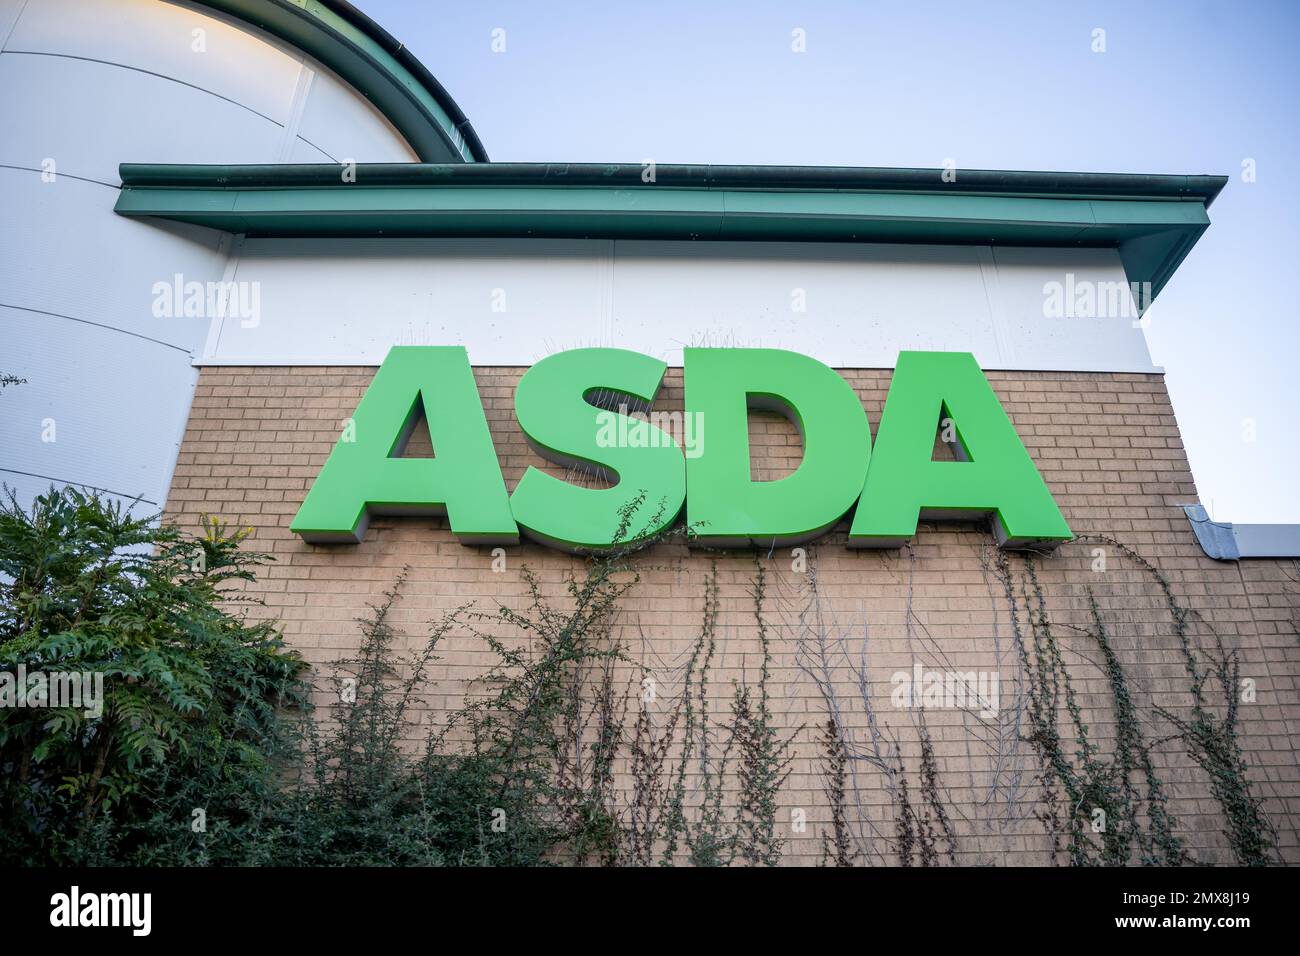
(191, 688)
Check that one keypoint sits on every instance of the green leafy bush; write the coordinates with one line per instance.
(179, 765)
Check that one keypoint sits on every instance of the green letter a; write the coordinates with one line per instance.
(364, 477)
(993, 474)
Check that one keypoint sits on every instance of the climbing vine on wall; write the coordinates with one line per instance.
(1213, 738)
(679, 803)
(837, 843)
(921, 830)
(1102, 819)
(1113, 808)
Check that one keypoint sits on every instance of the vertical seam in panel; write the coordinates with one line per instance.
(607, 292)
(296, 107)
(997, 312)
(216, 325)
(13, 25)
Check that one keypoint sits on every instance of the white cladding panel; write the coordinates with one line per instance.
(304, 152)
(223, 94)
(98, 405)
(100, 123)
(1115, 343)
(510, 302)
(91, 84)
(345, 127)
(63, 250)
(9, 10)
(159, 38)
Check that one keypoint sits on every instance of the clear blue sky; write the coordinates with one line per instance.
(1183, 87)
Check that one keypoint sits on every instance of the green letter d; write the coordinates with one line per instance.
(724, 506)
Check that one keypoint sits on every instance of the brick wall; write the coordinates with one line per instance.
(1108, 447)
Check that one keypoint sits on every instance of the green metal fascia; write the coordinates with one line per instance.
(986, 182)
(721, 214)
(1152, 233)
(349, 43)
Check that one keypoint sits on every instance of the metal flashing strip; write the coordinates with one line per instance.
(1225, 541)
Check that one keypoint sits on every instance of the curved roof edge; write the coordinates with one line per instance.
(340, 36)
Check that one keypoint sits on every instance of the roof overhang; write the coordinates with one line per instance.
(1153, 221)
(341, 37)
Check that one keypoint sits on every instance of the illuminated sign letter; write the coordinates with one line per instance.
(727, 508)
(993, 474)
(554, 405)
(365, 476)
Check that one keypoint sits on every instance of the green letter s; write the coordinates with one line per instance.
(560, 423)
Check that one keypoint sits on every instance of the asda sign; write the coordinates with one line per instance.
(704, 470)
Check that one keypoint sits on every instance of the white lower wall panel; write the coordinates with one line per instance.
(510, 302)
